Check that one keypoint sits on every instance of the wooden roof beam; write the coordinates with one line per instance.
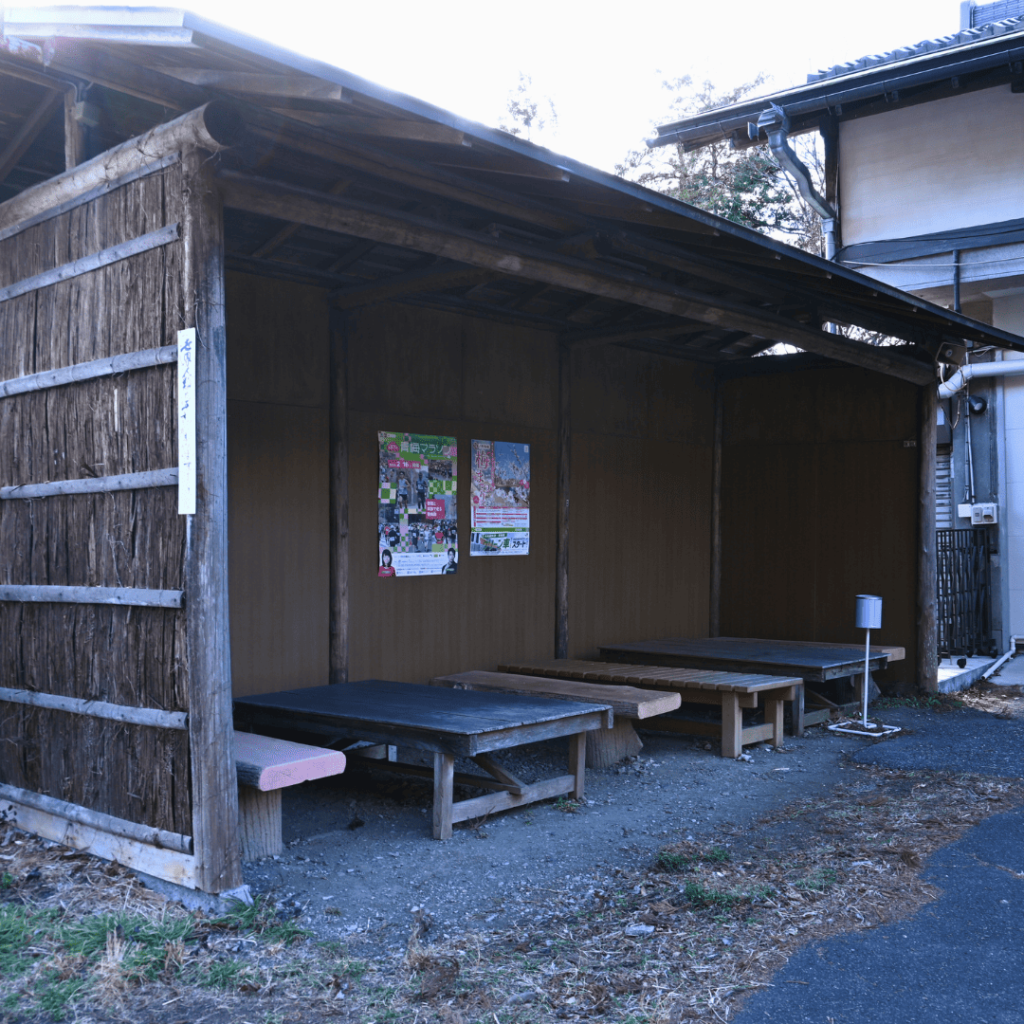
(282, 87)
(416, 174)
(432, 279)
(380, 127)
(616, 336)
(95, 64)
(341, 215)
(766, 286)
(271, 245)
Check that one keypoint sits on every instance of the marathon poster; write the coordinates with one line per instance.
(500, 499)
(416, 525)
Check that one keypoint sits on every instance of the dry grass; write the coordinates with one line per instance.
(684, 939)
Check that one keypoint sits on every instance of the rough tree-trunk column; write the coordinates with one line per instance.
(715, 597)
(211, 739)
(562, 498)
(339, 500)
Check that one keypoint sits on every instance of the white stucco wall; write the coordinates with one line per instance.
(952, 163)
(1008, 313)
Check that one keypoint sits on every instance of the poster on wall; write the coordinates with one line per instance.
(500, 499)
(416, 517)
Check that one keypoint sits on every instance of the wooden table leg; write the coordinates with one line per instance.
(444, 790)
(774, 711)
(798, 711)
(732, 725)
(577, 762)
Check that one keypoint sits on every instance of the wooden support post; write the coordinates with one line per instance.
(259, 823)
(715, 599)
(211, 736)
(773, 716)
(609, 746)
(798, 710)
(562, 499)
(74, 136)
(927, 558)
(444, 794)
(577, 762)
(339, 500)
(732, 725)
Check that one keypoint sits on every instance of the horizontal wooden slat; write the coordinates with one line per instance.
(93, 485)
(626, 701)
(88, 197)
(93, 595)
(157, 837)
(106, 367)
(97, 709)
(94, 261)
(659, 677)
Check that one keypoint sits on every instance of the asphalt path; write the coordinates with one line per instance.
(959, 959)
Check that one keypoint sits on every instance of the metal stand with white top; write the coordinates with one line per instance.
(869, 617)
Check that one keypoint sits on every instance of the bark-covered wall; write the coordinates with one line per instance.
(132, 539)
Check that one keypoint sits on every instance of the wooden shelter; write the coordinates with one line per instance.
(196, 222)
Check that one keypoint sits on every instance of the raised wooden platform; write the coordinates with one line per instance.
(449, 723)
(731, 691)
(606, 746)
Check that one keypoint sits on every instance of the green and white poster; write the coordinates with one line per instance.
(500, 499)
(417, 531)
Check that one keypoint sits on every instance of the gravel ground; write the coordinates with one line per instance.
(360, 861)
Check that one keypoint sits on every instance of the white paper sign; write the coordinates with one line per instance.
(186, 422)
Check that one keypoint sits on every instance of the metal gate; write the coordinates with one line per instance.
(963, 592)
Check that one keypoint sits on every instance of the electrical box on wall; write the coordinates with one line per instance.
(984, 515)
(965, 511)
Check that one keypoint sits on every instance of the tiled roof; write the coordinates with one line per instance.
(966, 37)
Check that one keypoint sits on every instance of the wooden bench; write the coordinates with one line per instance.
(606, 746)
(265, 766)
(731, 691)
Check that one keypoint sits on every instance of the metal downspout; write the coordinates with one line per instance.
(775, 124)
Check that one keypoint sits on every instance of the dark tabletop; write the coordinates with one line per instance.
(376, 702)
(775, 657)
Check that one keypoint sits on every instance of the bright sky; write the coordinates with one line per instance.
(602, 65)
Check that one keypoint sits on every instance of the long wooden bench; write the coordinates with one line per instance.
(606, 746)
(265, 766)
(731, 691)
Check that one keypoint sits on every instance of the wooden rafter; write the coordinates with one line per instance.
(29, 132)
(436, 278)
(343, 216)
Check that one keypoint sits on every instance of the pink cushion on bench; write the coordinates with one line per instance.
(284, 763)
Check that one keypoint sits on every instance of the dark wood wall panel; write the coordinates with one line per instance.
(278, 483)
(429, 372)
(134, 772)
(277, 476)
(639, 554)
(641, 495)
(818, 505)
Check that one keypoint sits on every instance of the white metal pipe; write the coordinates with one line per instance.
(867, 678)
(997, 665)
(1012, 368)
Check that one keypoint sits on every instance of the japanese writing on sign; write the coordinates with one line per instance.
(187, 422)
